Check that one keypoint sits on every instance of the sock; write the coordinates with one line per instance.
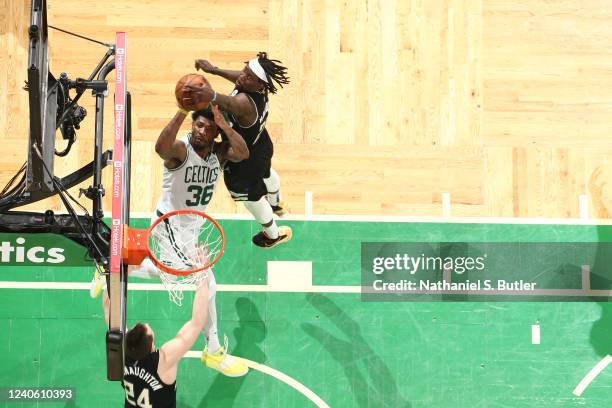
(146, 270)
(273, 186)
(262, 211)
(210, 328)
(272, 230)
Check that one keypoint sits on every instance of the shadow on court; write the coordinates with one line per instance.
(370, 379)
(602, 279)
(600, 332)
(223, 391)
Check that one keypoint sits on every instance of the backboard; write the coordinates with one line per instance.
(117, 283)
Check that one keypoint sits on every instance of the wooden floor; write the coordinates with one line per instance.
(504, 104)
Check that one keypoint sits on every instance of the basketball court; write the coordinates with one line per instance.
(321, 345)
(425, 175)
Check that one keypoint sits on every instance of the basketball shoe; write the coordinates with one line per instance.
(98, 282)
(261, 239)
(281, 209)
(224, 363)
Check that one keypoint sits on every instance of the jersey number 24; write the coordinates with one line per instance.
(143, 398)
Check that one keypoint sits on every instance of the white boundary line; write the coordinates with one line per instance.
(535, 334)
(446, 205)
(188, 288)
(307, 205)
(310, 289)
(412, 219)
(595, 371)
(583, 205)
(293, 383)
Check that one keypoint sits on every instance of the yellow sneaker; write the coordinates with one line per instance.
(224, 363)
(98, 282)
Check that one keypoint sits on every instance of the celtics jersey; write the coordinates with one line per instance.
(253, 131)
(190, 185)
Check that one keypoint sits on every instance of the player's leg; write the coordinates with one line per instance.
(272, 183)
(251, 191)
(210, 329)
(263, 153)
(98, 282)
(146, 270)
(214, 355)
(245, 181)
(272, 234)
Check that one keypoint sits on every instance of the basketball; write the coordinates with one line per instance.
(181, 93)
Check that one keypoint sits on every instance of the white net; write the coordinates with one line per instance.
(184, 245)
(175, 285)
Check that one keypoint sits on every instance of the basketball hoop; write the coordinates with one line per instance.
(182, 244)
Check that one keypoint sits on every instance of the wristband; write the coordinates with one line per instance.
(183, 111)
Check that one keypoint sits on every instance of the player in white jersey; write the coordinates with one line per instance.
(192, 166)
(190, 184)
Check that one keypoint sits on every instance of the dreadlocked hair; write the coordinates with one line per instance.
(275, 72)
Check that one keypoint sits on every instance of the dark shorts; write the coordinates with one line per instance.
(244, 180)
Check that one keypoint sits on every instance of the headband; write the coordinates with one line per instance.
(258, 70)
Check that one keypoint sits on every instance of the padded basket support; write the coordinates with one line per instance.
(135, 248)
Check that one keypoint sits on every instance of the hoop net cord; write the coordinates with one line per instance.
(183, 247)
(175, 285)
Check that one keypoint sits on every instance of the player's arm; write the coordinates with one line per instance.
(240, 106)
(209, 68)
(237, 150)
(172, 151)
(172, 351)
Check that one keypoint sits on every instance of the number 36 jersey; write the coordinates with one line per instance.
(191, 184)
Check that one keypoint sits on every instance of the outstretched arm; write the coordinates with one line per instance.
(237, 150)
(209, 68)
(172, 351)
(173, 152)
(240, 106)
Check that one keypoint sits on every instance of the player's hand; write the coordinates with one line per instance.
(219, 118)
(195, 94)
(204, 65)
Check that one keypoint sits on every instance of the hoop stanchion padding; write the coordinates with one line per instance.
(136, 247)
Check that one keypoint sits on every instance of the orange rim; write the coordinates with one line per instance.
(177, 272)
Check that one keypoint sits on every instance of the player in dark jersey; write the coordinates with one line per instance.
(149, 374)
(251, 181)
